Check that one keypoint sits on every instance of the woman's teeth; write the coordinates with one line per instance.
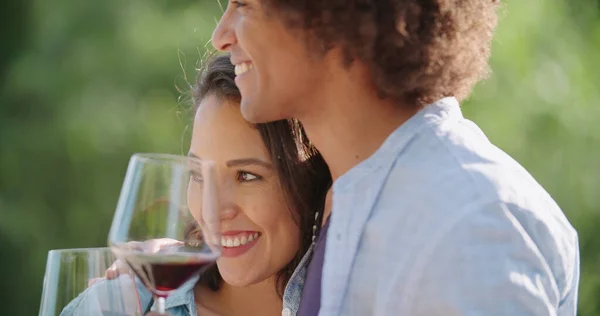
(238, 240)
(243, 68)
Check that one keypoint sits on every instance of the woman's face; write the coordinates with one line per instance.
(259, 235)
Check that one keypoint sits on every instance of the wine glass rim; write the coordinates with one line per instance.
(78, 250)
(162, 157)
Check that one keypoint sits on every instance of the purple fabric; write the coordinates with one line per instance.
(310, 303)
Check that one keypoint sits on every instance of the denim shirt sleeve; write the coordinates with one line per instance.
(89, 302)
(104, 292)
(498, 270)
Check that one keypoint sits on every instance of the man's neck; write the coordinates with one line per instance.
(350, 124)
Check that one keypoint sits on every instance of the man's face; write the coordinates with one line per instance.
(275, 72)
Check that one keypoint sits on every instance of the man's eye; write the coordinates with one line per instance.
(238, 4)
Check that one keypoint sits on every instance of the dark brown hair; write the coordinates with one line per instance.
(417, 51)
(302, 172)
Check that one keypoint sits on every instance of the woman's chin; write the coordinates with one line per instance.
(237, 281)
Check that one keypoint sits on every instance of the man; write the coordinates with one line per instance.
(429, 217)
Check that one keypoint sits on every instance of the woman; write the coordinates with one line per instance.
(276, 185)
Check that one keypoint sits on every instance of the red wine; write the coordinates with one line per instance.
(162, 273)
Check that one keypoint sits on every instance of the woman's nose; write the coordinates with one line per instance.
(228, 211)
(228, 204)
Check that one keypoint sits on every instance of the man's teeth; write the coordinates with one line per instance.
(231, 241)
(243, 68)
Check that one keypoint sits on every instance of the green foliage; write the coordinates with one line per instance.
(85, 84)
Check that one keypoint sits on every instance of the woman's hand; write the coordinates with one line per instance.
(117, 268)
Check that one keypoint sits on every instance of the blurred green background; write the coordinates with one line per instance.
(85, 84)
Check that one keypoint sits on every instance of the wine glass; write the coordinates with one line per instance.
(166, 226)
(79, 272)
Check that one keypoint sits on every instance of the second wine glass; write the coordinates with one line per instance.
(166, 226)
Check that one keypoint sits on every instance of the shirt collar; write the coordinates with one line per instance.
(400, 138)
(184, 295)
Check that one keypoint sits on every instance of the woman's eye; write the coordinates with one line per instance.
(246, 176)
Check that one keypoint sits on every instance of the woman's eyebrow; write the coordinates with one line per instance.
(241, 161)
(248, 161)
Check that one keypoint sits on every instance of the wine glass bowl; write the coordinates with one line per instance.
(166, 226)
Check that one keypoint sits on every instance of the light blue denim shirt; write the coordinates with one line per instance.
(439, 221)
(293, 290)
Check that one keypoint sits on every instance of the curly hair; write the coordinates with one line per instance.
(417, 51)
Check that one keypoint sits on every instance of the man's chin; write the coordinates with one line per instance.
(256, 112)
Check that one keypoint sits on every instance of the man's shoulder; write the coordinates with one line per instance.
(451, 170)
(455, 162)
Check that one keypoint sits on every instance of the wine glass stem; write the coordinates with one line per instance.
(160, 305)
